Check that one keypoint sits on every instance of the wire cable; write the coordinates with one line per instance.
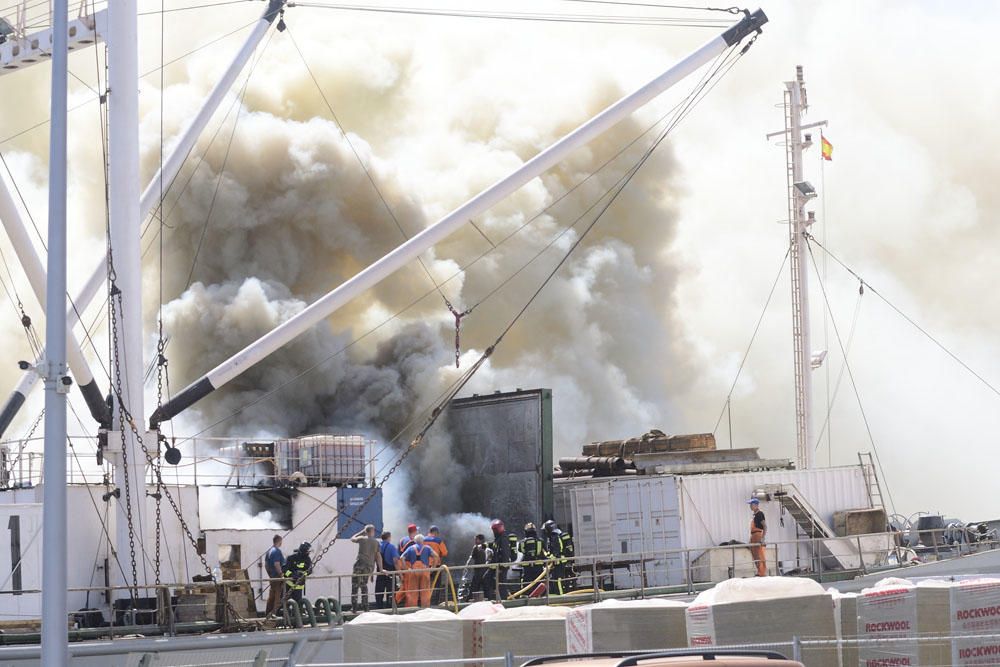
(850, 373)
(908, 319)
(753, 337)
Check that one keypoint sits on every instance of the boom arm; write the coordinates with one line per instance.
(151, 196)
(411, 249)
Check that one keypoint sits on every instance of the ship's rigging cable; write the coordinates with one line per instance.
(430, 413)
(612, 19)
(847, 366)
(361, 162)
(673, 116)
(611, 197)
(753, 337)
(832, 398)
(907, 318)
(222, 171)
(154, 70)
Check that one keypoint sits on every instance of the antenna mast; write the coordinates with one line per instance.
(800, 192)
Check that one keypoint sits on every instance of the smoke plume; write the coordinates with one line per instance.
(646, 325)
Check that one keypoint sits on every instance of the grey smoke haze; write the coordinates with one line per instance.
(647, 325)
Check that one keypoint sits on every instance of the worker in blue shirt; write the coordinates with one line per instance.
(417, 580)
(384, 587)
(274, 565)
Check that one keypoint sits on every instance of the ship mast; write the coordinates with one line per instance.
(54, 370)
(125, 448)
(800, 192)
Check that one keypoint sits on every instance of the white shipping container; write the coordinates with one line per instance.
(657, 513)
(714, 507)
(627, 516)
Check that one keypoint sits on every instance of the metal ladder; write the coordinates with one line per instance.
(805, 516)
(868, 469)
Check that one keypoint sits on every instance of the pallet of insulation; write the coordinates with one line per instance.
(372, 637)
(615, 625)
(846, 606)
(472, 618)
(765, 610)
(432, 634)
(525, 632)
(913, 619)
(975, 610)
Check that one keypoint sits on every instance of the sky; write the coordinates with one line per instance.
(648, 323)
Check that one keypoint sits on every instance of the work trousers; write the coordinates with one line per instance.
(296, 593)
(417, 586)
(274, 595)
(562, 579)
(384, 591)
(359, 590)
(758, 552)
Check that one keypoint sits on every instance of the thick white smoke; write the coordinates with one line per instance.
(645, 326)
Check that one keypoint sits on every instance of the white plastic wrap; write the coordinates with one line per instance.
(975, 610)
(765, 610)
(431, 633)
(621, 625)
(758, 588)
(372, 637)
(525, 631)
(897, 609)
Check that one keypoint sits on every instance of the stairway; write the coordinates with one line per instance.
(836, 554)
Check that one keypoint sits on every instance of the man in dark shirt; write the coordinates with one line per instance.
(274, 565)
(384, 588)
(758, 530)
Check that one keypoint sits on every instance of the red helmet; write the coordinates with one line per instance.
(497, 526)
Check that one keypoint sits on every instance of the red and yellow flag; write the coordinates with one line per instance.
(827, 148)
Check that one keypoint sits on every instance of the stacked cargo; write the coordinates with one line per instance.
(472, 618)
(525, 631)
(372, 637)
(975, 610)
(432, 634)
(765, 610)
(631, 625)
(846, 605)
(909, 618)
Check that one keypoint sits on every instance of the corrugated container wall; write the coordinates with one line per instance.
(714, 507)
(620, 515)
(627, 516)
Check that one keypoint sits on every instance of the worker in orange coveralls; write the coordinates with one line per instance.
(416, 579)
(434, 540)
(758, 530)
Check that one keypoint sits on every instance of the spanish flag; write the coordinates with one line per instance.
(827, 148)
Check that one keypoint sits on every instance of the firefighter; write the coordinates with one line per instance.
(298, 566)
(534, 554)
(560, 545)
(478, 578)
(504, 547)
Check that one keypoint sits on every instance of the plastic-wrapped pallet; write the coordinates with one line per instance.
(846, 610)
(372, 637)
(765, 610)
(472, 618)
(525, 632)
(615, 625)
(431, 633)
(896, 609)
(975, 610)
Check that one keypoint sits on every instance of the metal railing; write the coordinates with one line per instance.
(178, 608)
(208, 461)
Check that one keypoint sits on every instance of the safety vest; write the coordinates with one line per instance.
(295, 572)
(561, 546)
(533, 549)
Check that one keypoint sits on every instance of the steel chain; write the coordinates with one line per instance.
(117, 297)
